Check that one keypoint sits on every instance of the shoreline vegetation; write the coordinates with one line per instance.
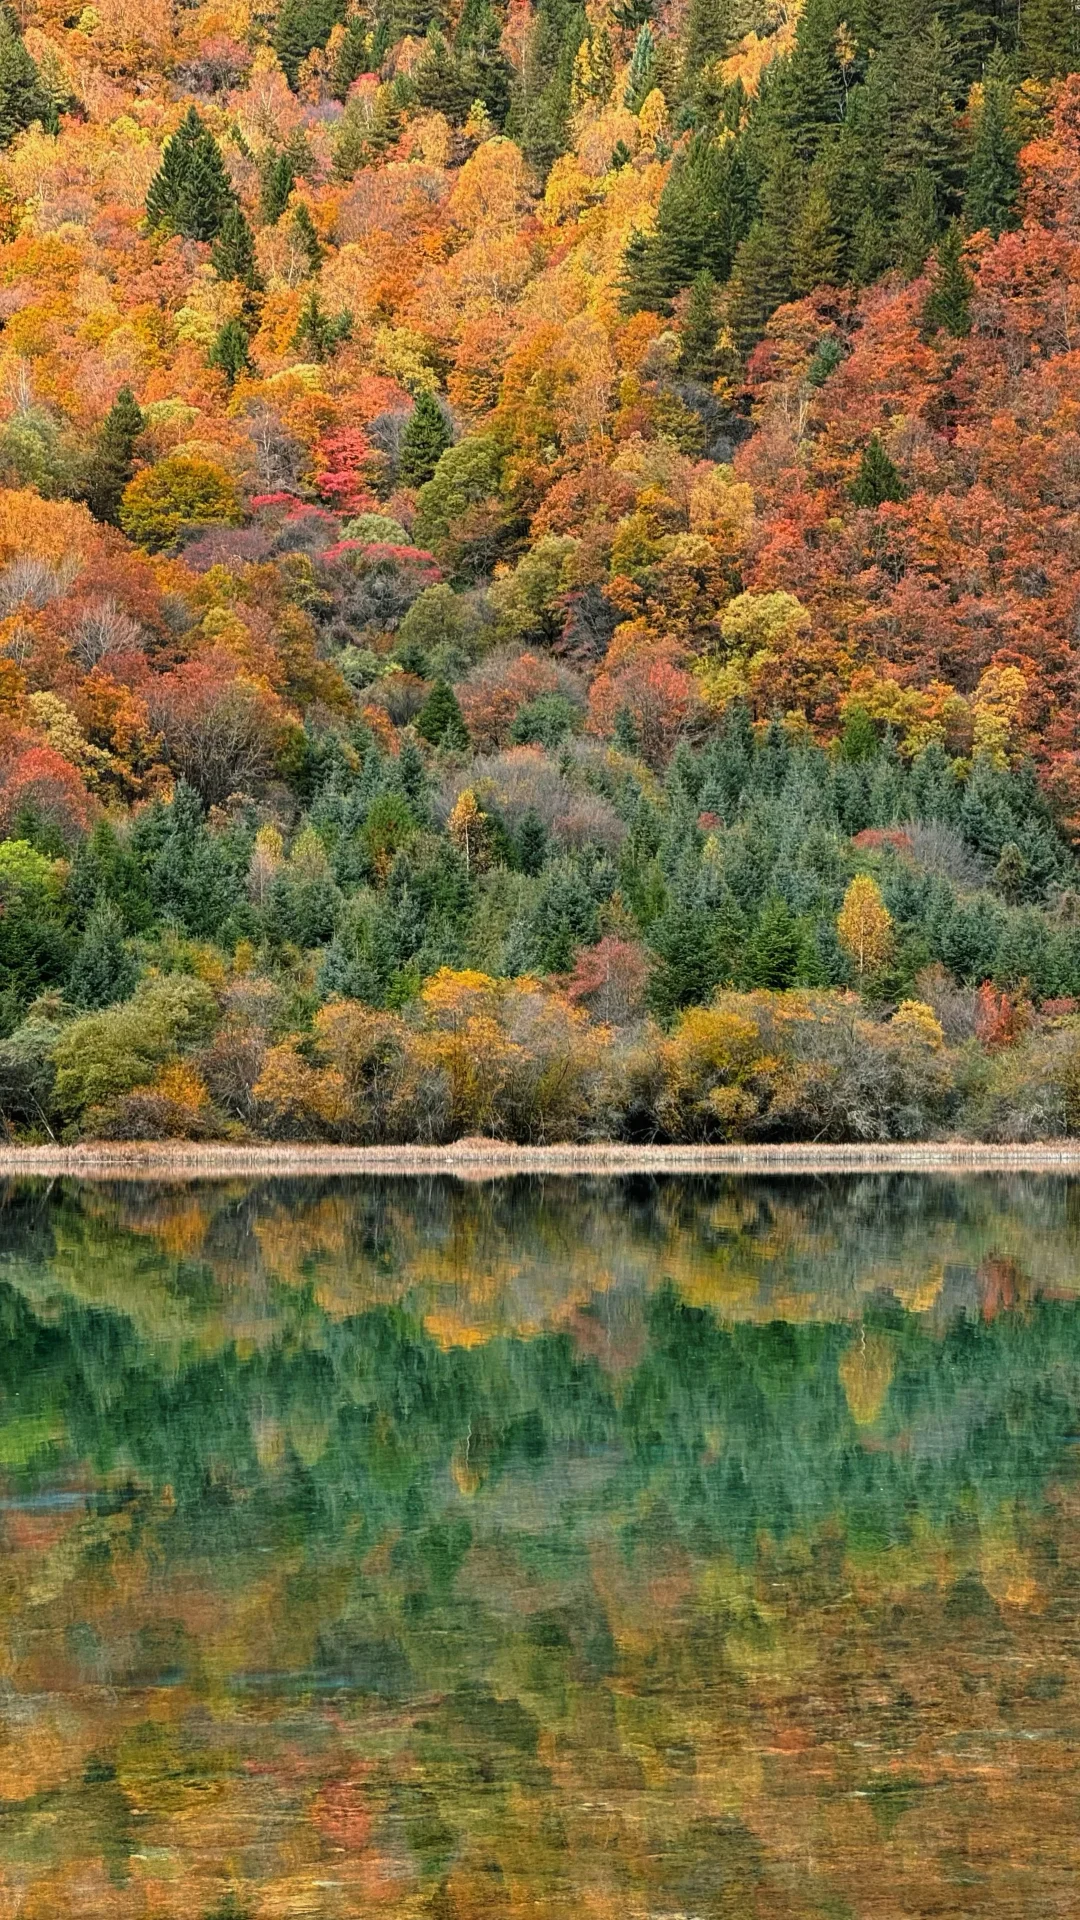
(481, 1159)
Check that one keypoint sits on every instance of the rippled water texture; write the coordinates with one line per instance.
(571, 1547)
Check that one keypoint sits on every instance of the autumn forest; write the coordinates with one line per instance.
(538, 559)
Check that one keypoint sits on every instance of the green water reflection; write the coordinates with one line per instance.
(566, 1547)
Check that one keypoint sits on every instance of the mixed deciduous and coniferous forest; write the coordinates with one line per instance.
(538, 570)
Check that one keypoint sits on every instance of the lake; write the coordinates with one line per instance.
(607, 1548)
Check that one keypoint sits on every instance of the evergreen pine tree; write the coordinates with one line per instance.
(859, 740)
(703, 214)
(303, 228)
(530, 842)
(232, 255)
(947, 306)
(301, 26)
(206, 195)
(760, 282)
(993, 177)
(539, 117)
(230, 351)
(113, 461)
(191, 192)
(810, 95)
(23, 98)
(1049, 38)
(103, 970)
(774, 950)
(698, 330)
(816, 247)
(707, 36)
(163, 195)
(918, 225)
(424, 441)
(639, 80)
(869, 247)
(278, 181)
(877, 479)
(440, 720)
(353, 55)
(318, 334)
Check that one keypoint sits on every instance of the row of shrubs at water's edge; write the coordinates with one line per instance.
(772, 941)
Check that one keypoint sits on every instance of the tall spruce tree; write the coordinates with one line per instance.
(816, 245)
(233, 253)
(877, 480)
(317, 333)
(424, 441)
(707, 36)
(993, 176)
(103, 971)
(1049, 38)
(306, 238)
(278, 181)
(698, 330)
(704, 212)
(440, 720)
(23, 96)
(230, 352)
(191, 192)
(539, 118)
(947, 307)
(353, 56)
(113, 462)
(639, 80)
(303, 25)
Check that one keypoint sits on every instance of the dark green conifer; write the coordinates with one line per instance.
(353, 55)
(278, 181)
(424, 441)
(947, 307)
(440, 720)
(698, 330)
(303, 231)
(191, 191)
(233, 253)
(23, 97)
(707, 37)
(703, 214)
(103, 971)
(816, 248)
(993, 177)
(301, 26)
(774, 949)
(1049, 38)
(316, 332)
(230, 352)
(113, 460)
(877, 479)
(919, 223)
(530, 842)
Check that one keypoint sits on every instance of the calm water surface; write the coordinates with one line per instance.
(607, 1549)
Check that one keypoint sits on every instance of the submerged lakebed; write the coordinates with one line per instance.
(593, 1546)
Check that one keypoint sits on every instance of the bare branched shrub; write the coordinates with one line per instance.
(524, 780)
(940, 849)
(34, 583)
(102, 628)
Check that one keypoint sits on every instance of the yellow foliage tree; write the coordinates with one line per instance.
(865, 926)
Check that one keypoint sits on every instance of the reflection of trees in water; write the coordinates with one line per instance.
(520, 1254)
(653, 1611)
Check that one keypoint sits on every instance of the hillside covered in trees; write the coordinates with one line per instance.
(538, 556)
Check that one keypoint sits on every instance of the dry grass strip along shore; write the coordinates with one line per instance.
(478, 1159)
